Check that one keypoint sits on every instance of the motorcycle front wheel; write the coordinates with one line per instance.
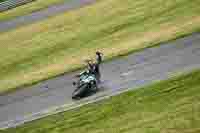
(80, 92)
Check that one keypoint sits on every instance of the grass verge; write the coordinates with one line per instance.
(42, 50)
(28, 8)
(170, 106)
(2, 0)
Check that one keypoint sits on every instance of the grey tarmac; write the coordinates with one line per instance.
(9, 4)
(131, 71)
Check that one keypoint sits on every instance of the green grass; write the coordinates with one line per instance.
(2, 0)
(28, 8)
(170, 106)
(60, 44)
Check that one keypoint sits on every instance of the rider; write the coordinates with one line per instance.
(99, 57)
(96, 71)
(90, 66)
(96, 65)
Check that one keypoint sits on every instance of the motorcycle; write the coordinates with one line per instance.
(87, 82)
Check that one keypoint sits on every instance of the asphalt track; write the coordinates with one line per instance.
(132, 71)
(9, 4)
(43, 14)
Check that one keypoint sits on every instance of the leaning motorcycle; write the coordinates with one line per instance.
(86, 83)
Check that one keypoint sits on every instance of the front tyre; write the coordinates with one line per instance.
(80, 92)
(94, 86)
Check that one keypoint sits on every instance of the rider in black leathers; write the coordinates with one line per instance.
(99, 57)
(90, 66)
(94, 67)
